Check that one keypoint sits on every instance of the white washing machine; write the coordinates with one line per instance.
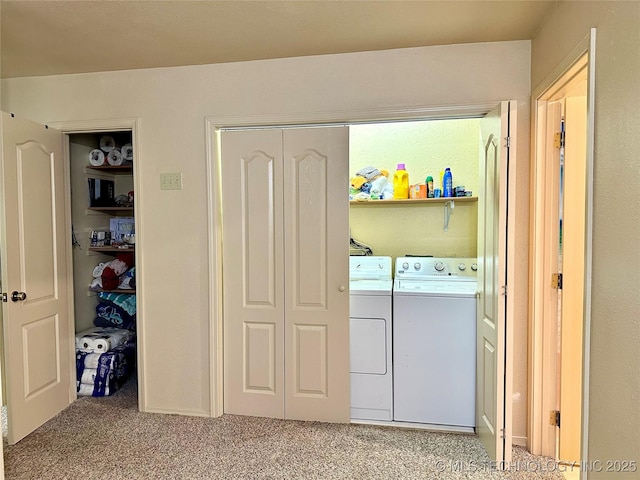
(370, 295)
(434, 340)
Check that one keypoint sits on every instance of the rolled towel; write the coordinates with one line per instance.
(107, 143)
(127, 152)
(96, 157)
(114, 157)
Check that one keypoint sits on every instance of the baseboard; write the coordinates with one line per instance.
(519, 441)
(187, 413)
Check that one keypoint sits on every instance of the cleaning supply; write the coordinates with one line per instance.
(400, 183)
(429, 183)
(447, 186)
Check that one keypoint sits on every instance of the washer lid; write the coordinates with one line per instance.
(370, 287)
(436, 288)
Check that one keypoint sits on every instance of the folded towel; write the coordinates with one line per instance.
(123, 300)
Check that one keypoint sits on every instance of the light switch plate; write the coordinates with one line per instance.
(171, 181)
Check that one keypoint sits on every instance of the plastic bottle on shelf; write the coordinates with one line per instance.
(400, 183)
(429, 182)
(447, 183)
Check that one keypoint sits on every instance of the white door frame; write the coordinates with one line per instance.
(96, 126)
(214, 204)
(542, 384)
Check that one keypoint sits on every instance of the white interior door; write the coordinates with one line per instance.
(285, 273)
(253, 272)
(38, 347)
(573, 267)
(316, 220)
(492, 358)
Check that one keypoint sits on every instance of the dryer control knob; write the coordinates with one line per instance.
(417, 266)
(474, 267)
(405, 266)
(439, 266)
(462, 267)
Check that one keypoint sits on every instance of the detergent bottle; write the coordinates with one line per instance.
(400, 183)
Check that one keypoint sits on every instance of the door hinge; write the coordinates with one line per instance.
(508, 139)
(556, 281)
(554, 418)
(4, 297)
(558, 139)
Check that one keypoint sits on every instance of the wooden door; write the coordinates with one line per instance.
(491, 385)
(316, 220)
(253, 272)
(34, 238)
(573, 262)
(285, 273)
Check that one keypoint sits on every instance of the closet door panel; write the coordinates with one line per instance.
(316, 225)
(253, 291)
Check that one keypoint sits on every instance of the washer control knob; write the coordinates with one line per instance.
(439, 266)
(405, 265)
(474, 267)
(462, 267)
(417, 266)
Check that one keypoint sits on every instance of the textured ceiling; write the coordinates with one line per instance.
(55, 37)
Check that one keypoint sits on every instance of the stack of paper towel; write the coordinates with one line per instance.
(105, 357)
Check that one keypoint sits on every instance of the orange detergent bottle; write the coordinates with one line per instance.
(400, 183)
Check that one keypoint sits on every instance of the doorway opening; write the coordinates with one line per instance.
(101, 171)
(560, 258)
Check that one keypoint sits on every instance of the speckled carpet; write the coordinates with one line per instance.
(107, 438)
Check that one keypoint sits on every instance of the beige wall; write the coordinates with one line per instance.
(172, 104)
(614, 382)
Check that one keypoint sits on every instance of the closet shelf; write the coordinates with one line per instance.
(111, 210)
(113, 169)
(112, 249)
(131, 291)
(415, 201)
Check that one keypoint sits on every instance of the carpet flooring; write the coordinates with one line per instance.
(107, 438)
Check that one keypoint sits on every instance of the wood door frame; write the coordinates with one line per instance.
(98, 126)
(213, 125)
(542, 365)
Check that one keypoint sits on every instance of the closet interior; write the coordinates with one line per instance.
(104, 251)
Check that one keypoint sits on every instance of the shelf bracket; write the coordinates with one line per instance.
(448, 211)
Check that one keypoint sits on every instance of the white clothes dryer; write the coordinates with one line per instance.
(370, 310)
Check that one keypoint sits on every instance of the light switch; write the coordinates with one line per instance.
(170, 181)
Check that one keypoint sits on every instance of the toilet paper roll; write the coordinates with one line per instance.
(114, 157)
(107, 143)
(89, 376)
(96, 157)
(127, 152)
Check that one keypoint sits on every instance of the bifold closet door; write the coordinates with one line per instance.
(253, 272)
(285, 273)
(316, 222)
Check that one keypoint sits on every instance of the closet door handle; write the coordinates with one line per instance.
(341, 288)
(18, 296)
